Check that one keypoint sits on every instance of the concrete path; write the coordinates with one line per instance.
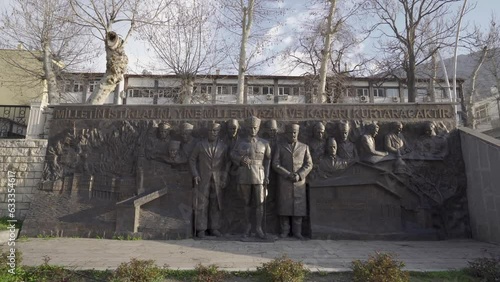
(234, 255)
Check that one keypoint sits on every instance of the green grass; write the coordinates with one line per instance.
(142, 268)
(126, 238)
(4, 224)
(181, 275)
(45, 272)
(438, 276)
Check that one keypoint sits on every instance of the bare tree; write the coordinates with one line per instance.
(44, 30)
(186, 44)
(403, 24)
(484, 46)
(245, 18)
(107, 19)
(325, 48)
(330, 30)
(493, 65)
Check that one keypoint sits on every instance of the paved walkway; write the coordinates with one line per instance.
(234, 255)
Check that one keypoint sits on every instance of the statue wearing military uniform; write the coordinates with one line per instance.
(253, 157)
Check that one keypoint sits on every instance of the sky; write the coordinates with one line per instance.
(139, 57)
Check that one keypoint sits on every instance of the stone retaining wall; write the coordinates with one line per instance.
(24, 157)
(481, 155)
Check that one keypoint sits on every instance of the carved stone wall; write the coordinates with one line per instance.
(125, 168)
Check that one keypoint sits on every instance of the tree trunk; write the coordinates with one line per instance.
(326, 53)
(50, 77)
(411, 76)
(187, 85)
(242, 66)
(468, 103)
(116, 65)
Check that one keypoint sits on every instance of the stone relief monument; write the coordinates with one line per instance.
(317, 171)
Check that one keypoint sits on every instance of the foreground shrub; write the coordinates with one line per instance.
(137, 271)
(210, 273)
(486, 268)
(380, 267)
(283, 269)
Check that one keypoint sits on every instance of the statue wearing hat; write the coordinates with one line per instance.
(253, 157)
(317, 144)
(187, 140)
(173, 155)
(292, 161)
(209, 167)
(155, 146)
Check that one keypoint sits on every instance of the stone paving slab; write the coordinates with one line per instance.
(318, 255)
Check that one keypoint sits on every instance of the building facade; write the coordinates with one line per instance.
(221, 89)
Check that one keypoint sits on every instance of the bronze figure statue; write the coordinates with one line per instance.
(253, 157)
(209, 167)
(292, 161)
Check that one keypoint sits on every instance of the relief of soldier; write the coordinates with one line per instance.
(231, 160)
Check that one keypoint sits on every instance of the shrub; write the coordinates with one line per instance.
(48, 273)
(210, 273)
(380, 267)
(283, 269)
(486, 268)
(137, 271)
(5, 275)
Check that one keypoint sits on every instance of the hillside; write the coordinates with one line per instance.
(466, 65)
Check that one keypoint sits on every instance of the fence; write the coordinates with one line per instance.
(13, 121)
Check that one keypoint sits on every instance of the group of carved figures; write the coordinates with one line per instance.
(248, 161)
(245, 164)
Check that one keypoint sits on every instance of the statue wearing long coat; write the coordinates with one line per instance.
(209, 162)
(292, 159)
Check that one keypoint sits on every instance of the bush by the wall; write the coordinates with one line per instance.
(380, 267)
(283, 269)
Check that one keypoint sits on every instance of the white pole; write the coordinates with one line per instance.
(455, 60)
(448, 86)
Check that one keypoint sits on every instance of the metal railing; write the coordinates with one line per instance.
(13, 121)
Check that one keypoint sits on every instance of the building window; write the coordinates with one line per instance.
(143, 92)
(422, 92)
(254, 90)
(267, 90)
(482, 113)
(378, 92)
(172, 92)
(67, 87)
(362, 91)
(92, 85)
(77, 86)
(392, 92)
(205, 89)
(226, 89)
(440, 93)
(285, 90)
(302, 91)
